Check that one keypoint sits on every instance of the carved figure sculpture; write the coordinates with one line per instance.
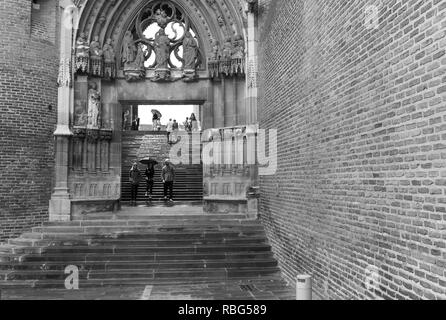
(162, 51)
(190, 55)
(82, 54)
(109, 51)
(238, 56)
(95, 47)
(109, 59)
(94, 106)
(162, 48)
(215, 54)
(82, 47)
(129, 49)
(161, 18)
(96, 67)
(133, 58)
(227, 49)
(239, 48)
(190, 51)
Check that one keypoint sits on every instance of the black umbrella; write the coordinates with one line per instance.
(148, 161)
(154, 111)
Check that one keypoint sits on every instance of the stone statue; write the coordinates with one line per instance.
(82, 54)
(161, 18)
(227, 49)
(109, 51)
(162, 49)
(82, 47)
(140, 57)
(238, 56)
(162, 55)
(94, 106)
(190, 55)
(190, 51)
(95, 47)
(96, 67)
(239, 48)
(135, 70)
(215, 53)
(129, 49)
(109, 59)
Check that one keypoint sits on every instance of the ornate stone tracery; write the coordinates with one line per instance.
(209, 21)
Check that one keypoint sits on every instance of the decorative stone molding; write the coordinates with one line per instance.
(79, 133)
(93, 135)
(105, 135)
(65, 74)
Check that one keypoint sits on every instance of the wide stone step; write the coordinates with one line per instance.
(141, 229)
(165, 234)
(265, 283)
(126, 218)
(154, 249)
(139, 265)
(80, 258)
(143, 275)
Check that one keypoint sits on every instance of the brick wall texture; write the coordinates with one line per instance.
(28, 76)
(359, 198)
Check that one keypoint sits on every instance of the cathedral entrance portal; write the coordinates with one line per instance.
(127, 54)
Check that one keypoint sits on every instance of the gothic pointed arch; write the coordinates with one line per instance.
(202, 24)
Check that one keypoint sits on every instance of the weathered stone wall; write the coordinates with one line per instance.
(28, 75)
(359, 197)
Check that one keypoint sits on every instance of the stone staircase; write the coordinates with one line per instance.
(135, 248)
(137, 145)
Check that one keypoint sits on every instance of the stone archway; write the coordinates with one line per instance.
(107, 58)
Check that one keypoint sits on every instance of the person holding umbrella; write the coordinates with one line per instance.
(156, 120)
(168, 177)
(149, 173)
(135, 178)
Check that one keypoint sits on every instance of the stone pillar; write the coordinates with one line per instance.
(60, 204)
(252, 65)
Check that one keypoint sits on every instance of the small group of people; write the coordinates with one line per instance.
(172, 131)
(191, 124)
(167, 177)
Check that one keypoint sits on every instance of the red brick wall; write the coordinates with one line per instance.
(361, 114)
(28, 75)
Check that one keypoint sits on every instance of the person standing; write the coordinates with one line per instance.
(175, 128)
(150, 172)
(186, 125)
(135, 178)
(168, 177)
(194, 122)
(169, 130)
(156, 121)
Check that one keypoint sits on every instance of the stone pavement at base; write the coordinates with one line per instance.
(246, 290)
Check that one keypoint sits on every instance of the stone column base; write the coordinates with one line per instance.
(60, 208)
(253, 208)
